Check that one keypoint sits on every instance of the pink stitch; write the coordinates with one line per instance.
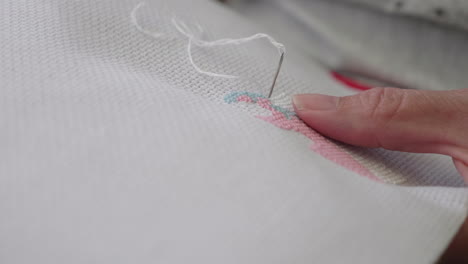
(321, 144)
(265, 103)
(245, 99)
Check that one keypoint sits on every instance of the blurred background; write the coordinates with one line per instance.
(417, 44)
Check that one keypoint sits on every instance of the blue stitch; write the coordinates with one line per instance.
(288, 114)
(232, 98)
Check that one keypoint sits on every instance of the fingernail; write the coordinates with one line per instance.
(315, 102)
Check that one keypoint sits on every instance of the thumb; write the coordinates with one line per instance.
(395, 119)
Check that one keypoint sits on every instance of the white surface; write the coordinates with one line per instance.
(115, 151)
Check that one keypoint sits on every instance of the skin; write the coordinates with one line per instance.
(402, 120)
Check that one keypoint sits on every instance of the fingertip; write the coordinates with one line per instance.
(320, 112)
(324, 114)
(462, 168)
(314, 102)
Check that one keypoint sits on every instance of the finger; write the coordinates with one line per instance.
(462, 168)
(396, 119)
(456, 252)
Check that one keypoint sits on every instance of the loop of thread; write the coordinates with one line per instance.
(133, 17)
(193, 40)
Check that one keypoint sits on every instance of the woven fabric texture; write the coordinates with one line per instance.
(115, 150)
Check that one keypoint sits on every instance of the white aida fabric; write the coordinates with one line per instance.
(116, 150)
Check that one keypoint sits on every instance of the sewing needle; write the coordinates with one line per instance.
(276, 75)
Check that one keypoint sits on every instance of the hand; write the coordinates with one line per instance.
(397, 119)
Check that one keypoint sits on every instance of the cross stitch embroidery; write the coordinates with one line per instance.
(286, 119)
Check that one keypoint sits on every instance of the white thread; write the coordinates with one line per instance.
(184, 29)
(133, 17)
(193, 40)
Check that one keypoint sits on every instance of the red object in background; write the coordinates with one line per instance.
(350, 82)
